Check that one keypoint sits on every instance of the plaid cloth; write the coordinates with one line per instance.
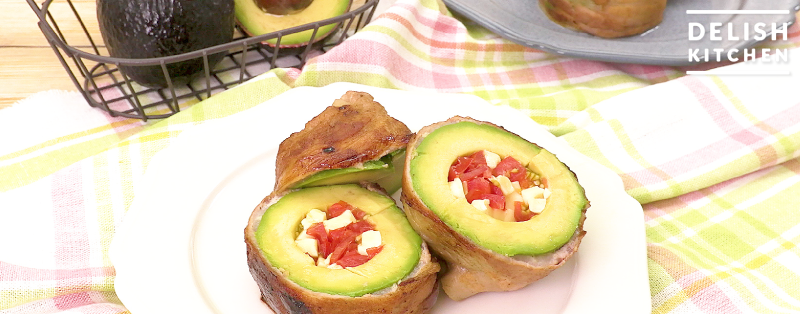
(714, 160)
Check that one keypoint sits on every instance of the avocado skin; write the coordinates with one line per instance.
(139, 29)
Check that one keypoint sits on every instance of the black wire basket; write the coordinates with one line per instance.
(105, 87)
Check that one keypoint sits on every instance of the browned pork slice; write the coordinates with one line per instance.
(353, 131)
(607, 18)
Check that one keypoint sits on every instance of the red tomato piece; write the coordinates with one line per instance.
(359, 214)
(360, 226)
(505, 167)
(318, 232)
(496, 201)
(521, 214)
(371, 252)
(481, 171)
(353, 260)
(477, 188)
(342, 244)
(496, 190)
(338, 208)
(478, 158)
(459, 166)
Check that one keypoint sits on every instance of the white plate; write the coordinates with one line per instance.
(181, 247)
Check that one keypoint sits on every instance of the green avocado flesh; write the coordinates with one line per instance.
(280, 225)
(257, 22)
(386, 172)
(541, 234)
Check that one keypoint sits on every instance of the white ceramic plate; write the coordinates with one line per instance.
(181, 247)
(523, 22)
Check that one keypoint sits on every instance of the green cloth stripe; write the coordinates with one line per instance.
(105, 207)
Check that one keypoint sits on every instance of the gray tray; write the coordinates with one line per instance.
(523, 22)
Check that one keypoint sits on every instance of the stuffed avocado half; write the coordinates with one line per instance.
(541, 233)
(283, 222)
(500, 210)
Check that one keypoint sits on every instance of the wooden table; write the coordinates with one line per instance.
(27, 62)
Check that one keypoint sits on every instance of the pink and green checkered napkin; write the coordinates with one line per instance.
(714, 160)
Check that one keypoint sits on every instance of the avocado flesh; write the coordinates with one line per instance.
(139, 29)
(541, 234)
(386, 172)
(278, 229)
(256, 22)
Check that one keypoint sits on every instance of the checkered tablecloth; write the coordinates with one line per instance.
(715, 160)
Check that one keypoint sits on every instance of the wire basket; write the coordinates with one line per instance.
(105, 87)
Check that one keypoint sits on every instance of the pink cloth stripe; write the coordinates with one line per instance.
(71, 231)
(69, 218)
(11, 272)
(754, 137)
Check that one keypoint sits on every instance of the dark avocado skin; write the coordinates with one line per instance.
(157, 28)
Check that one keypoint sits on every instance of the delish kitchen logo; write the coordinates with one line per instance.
(717, 33)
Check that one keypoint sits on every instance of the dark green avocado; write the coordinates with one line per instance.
(139, 29)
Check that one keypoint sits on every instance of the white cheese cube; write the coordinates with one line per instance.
(537, 205)
(342, 220)
(313, 216)
(546, 193)
(531, 193)
(457, 188)
(324, 262)
(309, 246)
(492, 159)
(516, 186)
(335, 266)
(369, 239)
(504, 183)
(304, 235)
(482, 205)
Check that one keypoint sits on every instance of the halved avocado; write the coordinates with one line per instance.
(278, 229)
(254, 21)
(544, 233)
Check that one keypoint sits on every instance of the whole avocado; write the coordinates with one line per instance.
(138, 29)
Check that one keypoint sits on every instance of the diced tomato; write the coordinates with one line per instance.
(506, 166)
(477, 188)
(360, 226)
(467, 168)
(459, 166)
(514, 171)
(521, 214)
(359, 214)
(525, 182)
(371, 252)
(478, 158)
(353, 260)
(496, 190)
(342, 245)
(495, 201)
(481, 171)
(318, 232)
(338, 208)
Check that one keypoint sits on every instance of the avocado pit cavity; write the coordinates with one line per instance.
(499, 187)
(339, 237)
